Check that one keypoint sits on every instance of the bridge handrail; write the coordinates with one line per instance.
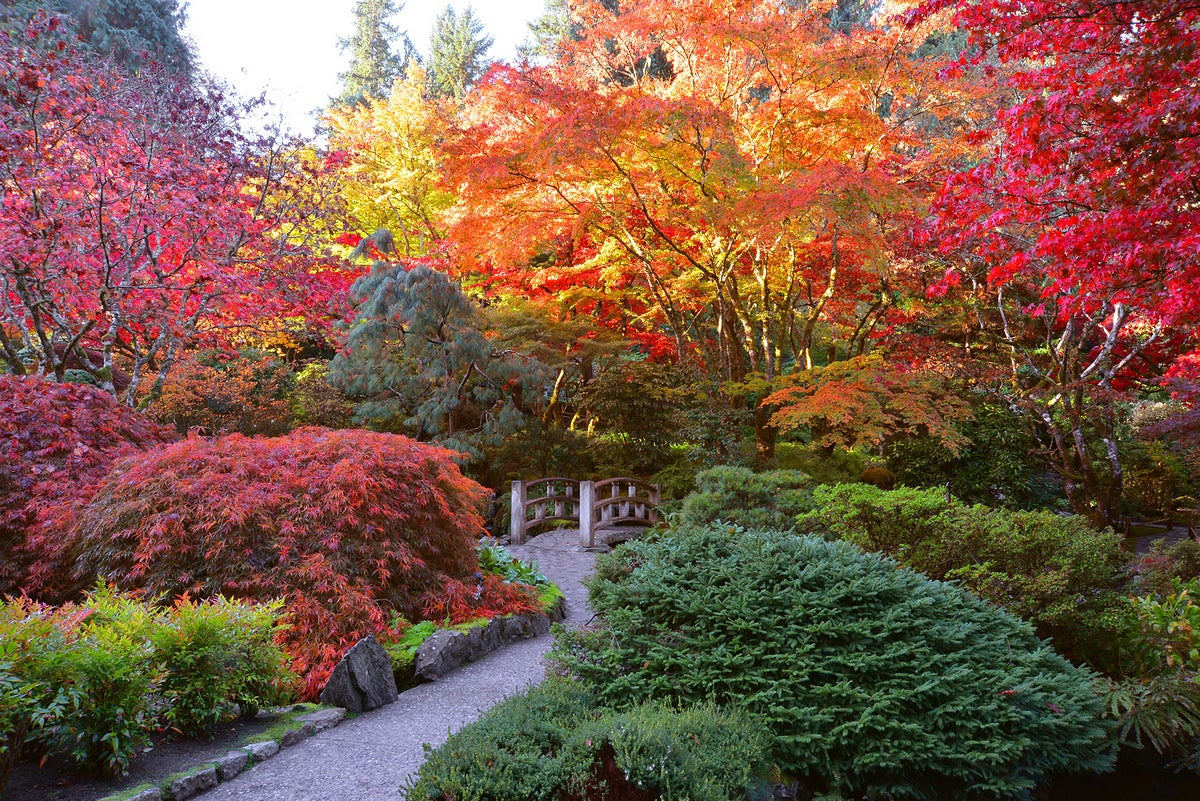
(625, 503)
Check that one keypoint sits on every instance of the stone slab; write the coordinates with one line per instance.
(324, 719)
(193, 784)
(263, 750)
(232, 764)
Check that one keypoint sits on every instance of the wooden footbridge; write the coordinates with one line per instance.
(593, 505)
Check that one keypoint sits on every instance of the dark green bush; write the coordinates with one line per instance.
(740, 496)
(219, 659)
(1056, 572)
(872, 678)
(997, 467)
(556, 744)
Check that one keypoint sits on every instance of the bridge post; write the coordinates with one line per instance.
(655, 501)
(587, 508)
(516, 518)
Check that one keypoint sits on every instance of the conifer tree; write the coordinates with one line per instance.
(128, 31)
(374, 64)
(457, 53)
(548, 30)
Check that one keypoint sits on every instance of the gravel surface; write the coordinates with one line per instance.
(368, 758)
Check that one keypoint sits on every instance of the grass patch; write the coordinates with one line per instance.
(125, 795)
(287, 723)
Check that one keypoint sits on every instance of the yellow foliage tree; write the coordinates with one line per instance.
(389, 165)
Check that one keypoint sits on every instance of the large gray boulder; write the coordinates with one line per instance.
(363, 680)
(442, 652)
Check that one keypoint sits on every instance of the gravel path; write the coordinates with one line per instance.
(368, 758)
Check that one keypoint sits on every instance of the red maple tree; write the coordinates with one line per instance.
(137, 220)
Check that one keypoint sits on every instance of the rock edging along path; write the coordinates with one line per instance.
(367, 758)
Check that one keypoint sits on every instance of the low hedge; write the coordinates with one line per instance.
(92, 680)
(556, 744)
(1057, 572)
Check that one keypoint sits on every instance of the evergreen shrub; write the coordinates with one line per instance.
(740, 496)
(556, 744)
(872, 678)
(1057, 572)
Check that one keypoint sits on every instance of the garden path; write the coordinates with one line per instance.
(368, 758)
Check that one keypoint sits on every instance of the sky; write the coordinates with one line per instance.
(289, 48)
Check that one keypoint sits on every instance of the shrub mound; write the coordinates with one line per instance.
(771, 499)
(56, 440)
(872, 678)
(1057, 572)
(556, 744)
(91, 680)
(350, 527)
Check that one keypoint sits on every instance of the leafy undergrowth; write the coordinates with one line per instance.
(495, 563)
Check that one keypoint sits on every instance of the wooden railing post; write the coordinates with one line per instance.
(655, 500)
(587, 506)
(516, 520)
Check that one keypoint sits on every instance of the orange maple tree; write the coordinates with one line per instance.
(736, 178)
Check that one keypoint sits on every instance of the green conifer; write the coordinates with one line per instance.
(374, 64)
(457, 53)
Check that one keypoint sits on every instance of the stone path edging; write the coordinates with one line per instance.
(210, 773)
(494, 661)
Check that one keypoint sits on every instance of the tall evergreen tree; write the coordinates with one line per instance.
(374, 64)
(548, 30)
(128, 31)
(457, 53)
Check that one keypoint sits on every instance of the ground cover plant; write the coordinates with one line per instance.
(349, 527)
(872, 679)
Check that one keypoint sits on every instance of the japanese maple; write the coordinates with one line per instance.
(56, 442)
(1075, 231)
(737, 176)
(349, 527)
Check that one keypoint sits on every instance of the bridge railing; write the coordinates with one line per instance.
(593, 505)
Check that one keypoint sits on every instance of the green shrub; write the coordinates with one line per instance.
(871, 678)
(494, 558)
(1056, 572)
(114, 674)
(556, 744)
(738, 495)
(31, 700)
(219, 659)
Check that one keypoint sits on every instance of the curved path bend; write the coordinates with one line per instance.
(368, 758)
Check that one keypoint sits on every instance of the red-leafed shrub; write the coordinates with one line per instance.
(56, 441)
(348, 526)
